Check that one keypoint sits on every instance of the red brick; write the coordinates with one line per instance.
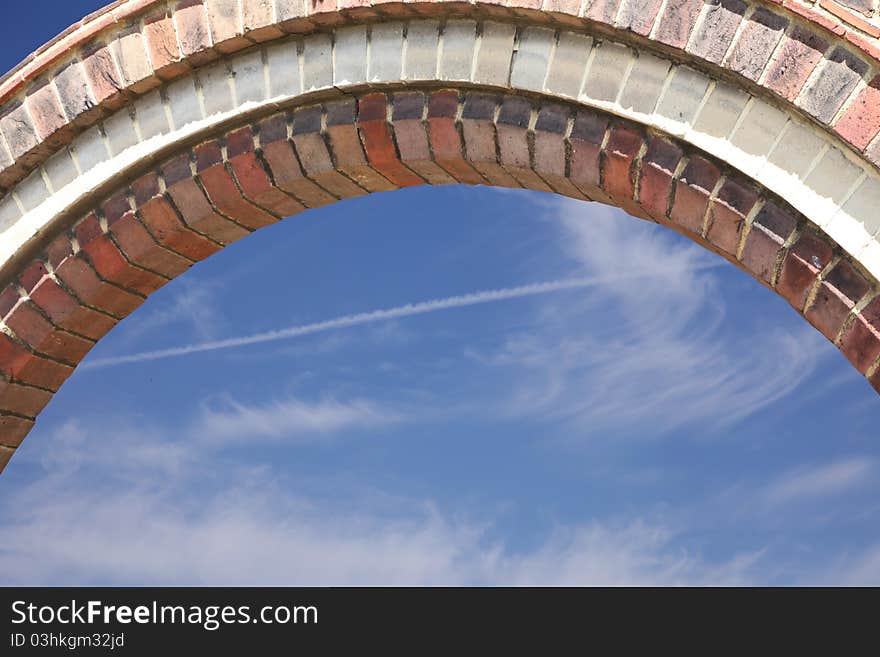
(17, 363)
(384, 171)
(288, 175)
(445, 140)
(716, 30)
(163, 223)
(195, 209)
(860, 342)
(161, 40)
(638, 15)
(13, 429)
(192, 27)
(5, 455)
(861, 120)
(808, 256)
(65, 311)
(587, 135)
(769, 232)
(78, 276)
(136, 243)
(602, 11)
(692, 192)
(677, 21)
(35, 330)
(102, 74)
(478, 130)
(21, 399)
(224, 193)
(225, 24)
(838, 293)
(258, 19)
(45, 108)
(257, 187)
(756, 43)
(411, 137)
(727, 214)
(109, 262)
(621, 151)
(796, 58)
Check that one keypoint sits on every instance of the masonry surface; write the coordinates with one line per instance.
(152, 134)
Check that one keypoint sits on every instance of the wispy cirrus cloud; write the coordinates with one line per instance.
(213, 522)
(647, 353)
(810, 482)
(289, 419)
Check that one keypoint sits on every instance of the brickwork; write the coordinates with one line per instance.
(191, 205)
(152, 134)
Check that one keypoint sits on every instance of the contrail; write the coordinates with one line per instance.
(420, 308)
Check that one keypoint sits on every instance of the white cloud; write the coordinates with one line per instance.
(819, 481)
(216, 523)
(290, 419)
(649, 351)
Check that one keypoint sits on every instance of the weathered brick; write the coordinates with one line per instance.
(602, 11)
(44, 107)
(225, 24)
(769, 231)
(677, 21)
(102, 75)
(860, 342)
(727, 212)
(826, 93)
(692, 192)
(756, 43)
(73, 90)
(638, 15)
(798, 55)
(192, 27)
(161, 42)
(19, 131)
(478, 129)
(842, 288)
(861, 121)
(258, 20)
(130, 51)
(713, 36)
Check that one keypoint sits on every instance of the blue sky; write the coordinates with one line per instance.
(679, 425)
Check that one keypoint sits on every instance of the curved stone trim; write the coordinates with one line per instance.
(793, 51)
(188, 206)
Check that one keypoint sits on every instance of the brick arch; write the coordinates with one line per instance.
(151, 135)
